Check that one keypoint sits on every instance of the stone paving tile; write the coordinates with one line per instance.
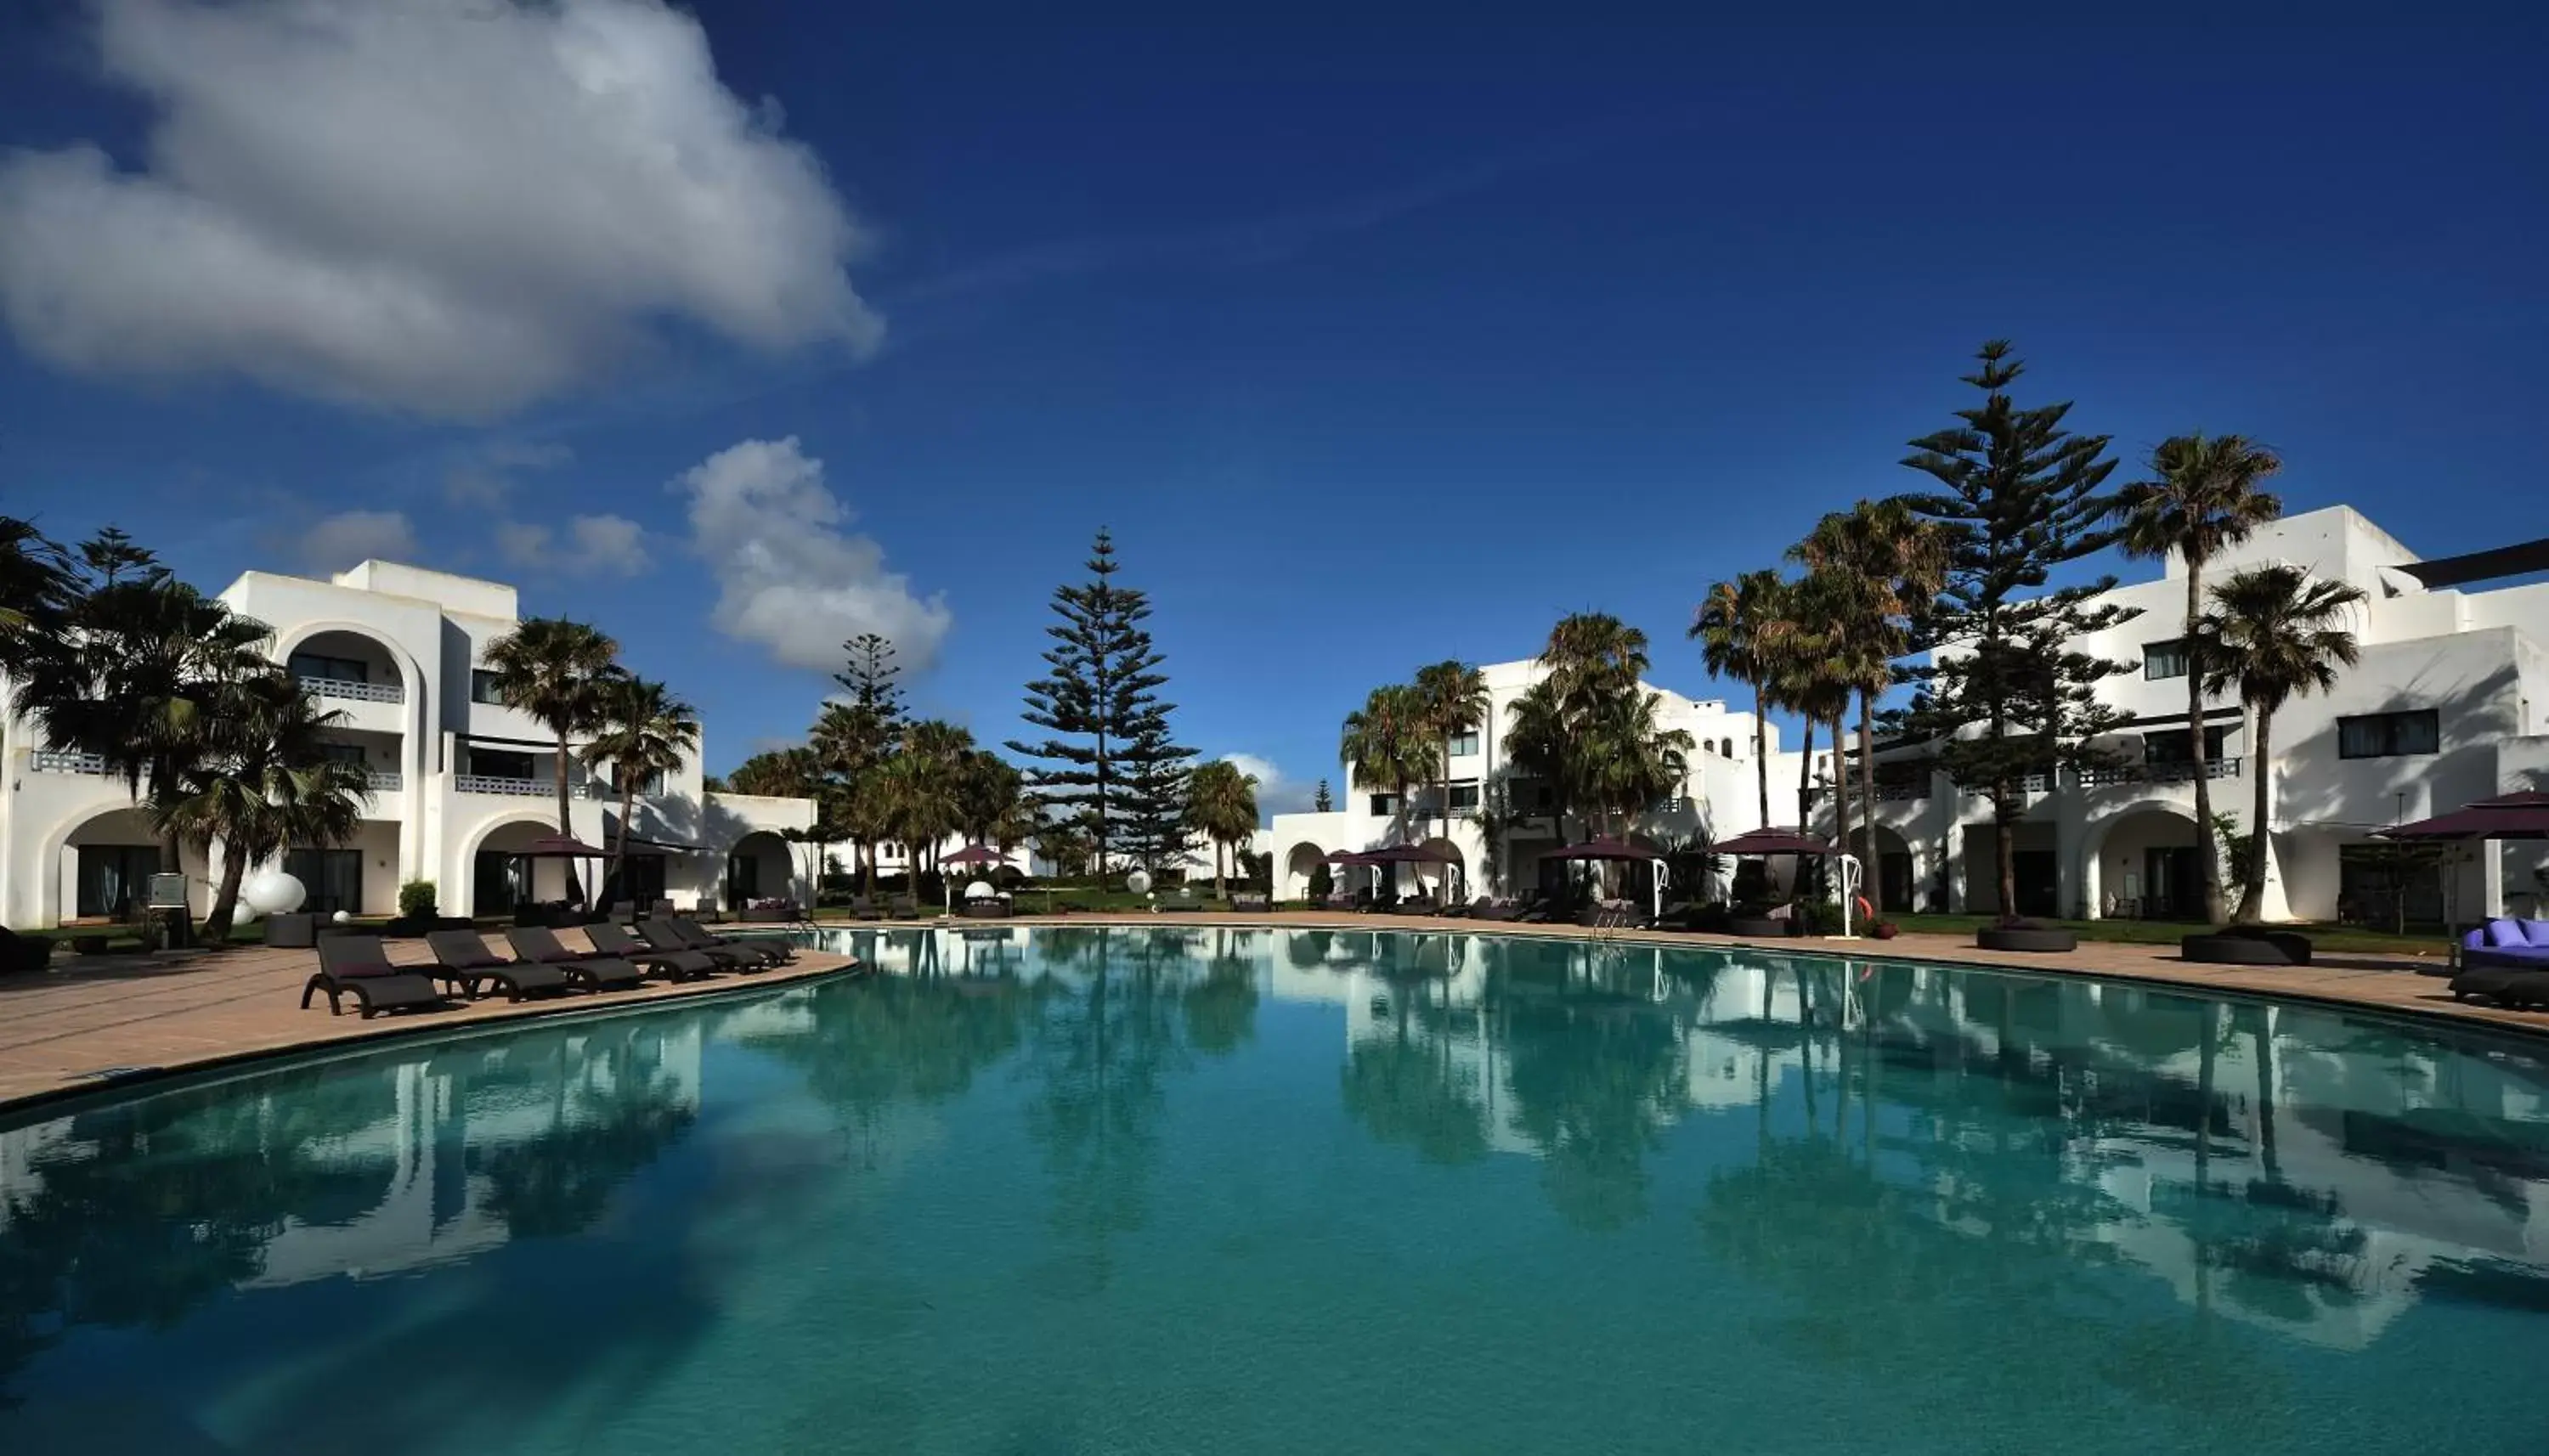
(57, 1030)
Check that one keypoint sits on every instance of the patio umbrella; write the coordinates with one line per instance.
(562, 846)
(1619, 850)
(1778, 841)
(1412, 854)
(2515, 816)
(970, 855)
(2522, 815)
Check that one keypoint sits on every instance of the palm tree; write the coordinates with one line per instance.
(2275, 634)
(562, 672)
(134, 665)
(1389, 744)
(1887, 564)
(1587, 728)
(1221, 805)
(1729, 626)
(1454, 698)
(930, 788)
(1809, 663)
(643, 731)
(2202, 499)
(260, 780)
(37, 584)
(849, 740)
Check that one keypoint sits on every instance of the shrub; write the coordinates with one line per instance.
(1322, 883)
(416, 900)
(1818, 917)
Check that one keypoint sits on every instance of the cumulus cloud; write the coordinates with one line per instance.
(591, 546)
(334, 543)
(446, 207)
(789, 575)
(1277, 792)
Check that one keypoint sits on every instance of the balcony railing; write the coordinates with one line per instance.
(2102, 775)
(58, 760)
(388, 780)
(490, 784)
(1886, 793)
(358, 692)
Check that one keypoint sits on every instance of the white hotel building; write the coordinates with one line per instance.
(2450, 703)
(460, 784)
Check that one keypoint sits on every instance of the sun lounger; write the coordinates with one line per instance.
(1252, 901)
(680, 966)
(666, 935)
(357, 965)
(693, 936)
(864, 908)
(461, 958)
(533, 944)
(901, 907)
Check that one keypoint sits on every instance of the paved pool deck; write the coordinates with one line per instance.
(60, 1031)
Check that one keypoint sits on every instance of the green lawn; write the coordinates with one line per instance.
(2167, 932)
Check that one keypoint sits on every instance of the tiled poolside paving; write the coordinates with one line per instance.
(66, 1028)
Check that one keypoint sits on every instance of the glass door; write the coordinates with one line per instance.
(331, 879)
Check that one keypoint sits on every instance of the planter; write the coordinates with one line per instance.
(2035, 939)
(1884, 932)
(1743, 925)
(2245, 945)
(89, 945)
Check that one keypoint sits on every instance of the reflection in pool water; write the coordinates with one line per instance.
(1273, 1190)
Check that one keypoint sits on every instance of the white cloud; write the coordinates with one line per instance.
(521, 543)
(594, 546)
(482, 478)
(789, 576)
(1277, 792)
(335, 542)
(448, 207)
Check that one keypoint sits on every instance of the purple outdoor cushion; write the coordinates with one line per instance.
(2505, 935)
(2535, 931)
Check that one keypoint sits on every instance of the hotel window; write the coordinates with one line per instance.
(1464, 798)
(2390, 734)
(1464, 745)
(2165, 659)
(497, 762)
(1382, 804)
(2174, 746)
(649, 786)
(483, 684)
(348, 754)
(307, 665)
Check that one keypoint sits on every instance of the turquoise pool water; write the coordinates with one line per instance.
(1239, 1191)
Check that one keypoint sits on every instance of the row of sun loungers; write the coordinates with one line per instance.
(671, 950)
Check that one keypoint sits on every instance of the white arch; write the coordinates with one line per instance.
(419, 746)
(2093, 889)
(49, 908)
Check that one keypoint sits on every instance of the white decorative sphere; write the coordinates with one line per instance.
(271, 892)
(979, 889)
(1139, 882)
(343, 917)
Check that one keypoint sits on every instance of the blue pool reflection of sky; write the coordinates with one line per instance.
(1201, 1187)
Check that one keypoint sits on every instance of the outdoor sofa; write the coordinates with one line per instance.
(2506, 962)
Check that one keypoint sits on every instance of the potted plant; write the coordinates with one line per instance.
(1884, 930)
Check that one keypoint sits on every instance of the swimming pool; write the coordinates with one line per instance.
(1274, 1190)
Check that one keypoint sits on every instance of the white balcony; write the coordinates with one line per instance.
(387, 781)
(346, 687)
(528, 788)
(58, 760)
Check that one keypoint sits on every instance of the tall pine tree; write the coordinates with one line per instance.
(1109, 766)
(2008, 695)
(852, 739)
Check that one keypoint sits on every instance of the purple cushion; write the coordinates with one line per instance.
(2506, 933)
(2475, 940)
(2535, 931)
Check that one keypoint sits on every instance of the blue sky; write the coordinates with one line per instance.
(1373, 338)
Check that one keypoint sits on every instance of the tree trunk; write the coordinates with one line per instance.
(1220, 890)
(217, 922)
(2252, 876)
(1761, 751)
(2005, 851)
(566, 823)
(1867, 783)
(1840, 790)
(866, 866)
(2265, 1050)
(618, 875)
(1806, 779)
(2207, 850)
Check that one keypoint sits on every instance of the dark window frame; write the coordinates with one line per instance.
(328, 666)
(2172, 657)
(2391, 734)
(482, 686)
(1464, 745)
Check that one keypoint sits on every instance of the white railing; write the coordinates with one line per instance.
(58, 760)
(388, 780)
(358, 692)
(489, 784)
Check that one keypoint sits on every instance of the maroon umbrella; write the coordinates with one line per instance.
(559, 846)
(1410, 855)
(1603, 848)
(975, 854)
(2507, 816)
(1347, 856)
(1773, 842)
